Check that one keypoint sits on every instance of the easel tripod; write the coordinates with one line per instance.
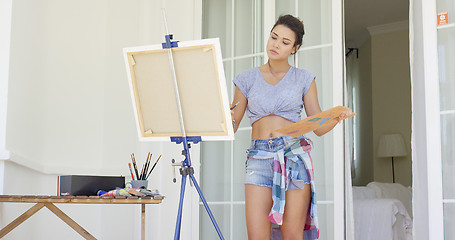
(186, 169)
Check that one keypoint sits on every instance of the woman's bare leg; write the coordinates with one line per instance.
(295, 213)
(258, 203)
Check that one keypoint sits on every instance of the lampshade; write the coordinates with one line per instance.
(391, 145)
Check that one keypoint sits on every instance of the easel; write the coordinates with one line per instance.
(186, 169)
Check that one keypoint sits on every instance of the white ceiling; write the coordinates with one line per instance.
(360, 14)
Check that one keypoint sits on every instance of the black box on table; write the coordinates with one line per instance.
(80, 185)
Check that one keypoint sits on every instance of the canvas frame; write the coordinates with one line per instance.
(201, 84)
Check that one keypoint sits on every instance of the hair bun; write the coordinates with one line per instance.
(293, 23)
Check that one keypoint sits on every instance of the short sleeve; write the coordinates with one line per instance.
(308, 78)
(241, 81)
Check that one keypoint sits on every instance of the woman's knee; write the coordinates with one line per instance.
(291, 233)
(259, 236)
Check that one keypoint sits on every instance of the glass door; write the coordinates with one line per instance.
(319, 55)
(243, 28)
(238, 24)
(446, 53)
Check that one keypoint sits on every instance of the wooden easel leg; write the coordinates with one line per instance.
(142, 221)
(69, 221)
(21, 219)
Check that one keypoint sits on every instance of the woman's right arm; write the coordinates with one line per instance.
(238, 112)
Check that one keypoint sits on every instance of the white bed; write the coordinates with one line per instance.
(382, 211)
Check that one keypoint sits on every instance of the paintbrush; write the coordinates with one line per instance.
(134, 165)
(131, 171)
(154, 165)
(147, 163)
(232, 108)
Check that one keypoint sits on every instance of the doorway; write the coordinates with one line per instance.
(243, 27)
(378, 87)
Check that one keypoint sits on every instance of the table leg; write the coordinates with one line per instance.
(69, 221)
(21, 219)
(143, 222)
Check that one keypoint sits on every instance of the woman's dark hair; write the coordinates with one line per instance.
(294, 24)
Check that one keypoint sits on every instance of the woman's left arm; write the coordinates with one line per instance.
(311, 104)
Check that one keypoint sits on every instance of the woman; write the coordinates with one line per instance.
(274, 95)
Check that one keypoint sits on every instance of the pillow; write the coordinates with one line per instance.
(362, 193)
(395, 191)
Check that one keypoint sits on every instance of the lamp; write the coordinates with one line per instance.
(391, 145)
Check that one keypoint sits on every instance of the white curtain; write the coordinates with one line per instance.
(348, 190)
(349, 154)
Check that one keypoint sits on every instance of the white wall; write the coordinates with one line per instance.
(70, 112)
(391, 101)
(5, 35)
(70, 109)
(384, 103)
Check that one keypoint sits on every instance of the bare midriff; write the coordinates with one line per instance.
(265, 127)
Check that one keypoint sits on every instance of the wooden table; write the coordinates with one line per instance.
(48, 201)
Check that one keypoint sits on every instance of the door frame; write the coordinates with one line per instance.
(426, 137)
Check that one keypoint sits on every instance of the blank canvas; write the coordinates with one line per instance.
(201, 85)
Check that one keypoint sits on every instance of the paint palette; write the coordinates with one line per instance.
(314, 122)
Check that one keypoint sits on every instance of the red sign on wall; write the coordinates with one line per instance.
(443, 18)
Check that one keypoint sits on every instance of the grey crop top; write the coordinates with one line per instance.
(285, 99)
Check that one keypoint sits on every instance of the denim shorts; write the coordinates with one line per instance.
(260, 171)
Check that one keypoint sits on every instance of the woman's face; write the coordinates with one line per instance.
(281, 43)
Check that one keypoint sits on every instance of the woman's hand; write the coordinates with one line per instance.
(232, 117)
(232, 114)
(238, 108)
(345, 114)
